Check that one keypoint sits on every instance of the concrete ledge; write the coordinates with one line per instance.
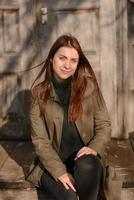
(121, 160)
(121, 170)
(14, 194)
(15, 161)
(16, 185)
(17, 156)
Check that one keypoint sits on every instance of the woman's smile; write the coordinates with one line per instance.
(65, 71)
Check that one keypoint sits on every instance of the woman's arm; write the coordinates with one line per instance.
(102, 126)
(43, 148)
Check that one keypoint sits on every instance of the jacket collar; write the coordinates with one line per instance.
(53, 94)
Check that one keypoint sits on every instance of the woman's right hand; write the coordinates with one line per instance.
(68, 181)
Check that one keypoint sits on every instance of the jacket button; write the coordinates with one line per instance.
(84, 135)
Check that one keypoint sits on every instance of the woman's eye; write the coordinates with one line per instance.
(61, 58)
(74, 61)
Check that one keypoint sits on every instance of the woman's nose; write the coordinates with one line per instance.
(67, 65)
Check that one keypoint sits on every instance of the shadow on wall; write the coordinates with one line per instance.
(16, 124)
(16, 149)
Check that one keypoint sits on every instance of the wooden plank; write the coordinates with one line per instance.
(131, 66)
(75, 4)
(76, 10)
(131, 137)
(8, 7)
(11, 31)
(108, 58)
(8, 89)
(1, 35)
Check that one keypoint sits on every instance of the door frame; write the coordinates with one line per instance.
(114, 62)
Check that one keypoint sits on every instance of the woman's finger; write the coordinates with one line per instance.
(67, 181)
(71, 179)
(66, 185)
(85, 151)
(81, 154)
(71, 186)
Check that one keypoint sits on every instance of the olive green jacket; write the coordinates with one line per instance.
(93, 126)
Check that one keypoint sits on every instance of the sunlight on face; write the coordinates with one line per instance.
(65, 62)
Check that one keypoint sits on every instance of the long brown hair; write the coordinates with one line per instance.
(78, 85)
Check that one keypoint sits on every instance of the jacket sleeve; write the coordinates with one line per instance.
(43, 148)
(102, 126)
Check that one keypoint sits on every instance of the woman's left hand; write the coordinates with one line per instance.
(85, 151)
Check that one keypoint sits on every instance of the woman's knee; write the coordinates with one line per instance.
(88, 162)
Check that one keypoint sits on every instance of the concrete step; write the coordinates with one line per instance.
(120, 181)
(14, 194)
(127, 194)
(17, 156)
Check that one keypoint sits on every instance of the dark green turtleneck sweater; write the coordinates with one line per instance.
(70, 141)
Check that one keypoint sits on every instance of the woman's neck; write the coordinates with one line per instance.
(63, 83)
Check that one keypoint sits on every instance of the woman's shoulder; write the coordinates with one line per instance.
(91, 85)
(35, 91)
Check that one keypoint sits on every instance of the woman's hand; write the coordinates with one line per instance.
(85, 150)
(68, 181)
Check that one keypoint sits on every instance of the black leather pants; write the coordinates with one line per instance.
(87, 172)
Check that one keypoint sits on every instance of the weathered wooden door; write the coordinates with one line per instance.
(27, 31)
(17, 53)
(79, 18)
(9, 44)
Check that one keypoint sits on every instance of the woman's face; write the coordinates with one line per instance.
(65, 62)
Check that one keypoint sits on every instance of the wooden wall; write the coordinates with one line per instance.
(28, 29)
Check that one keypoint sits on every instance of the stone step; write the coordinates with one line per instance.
(127, 194)
(17, 156)
(15, 194)
(120, 181)
(15, 161)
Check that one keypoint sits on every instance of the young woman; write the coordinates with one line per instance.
(70, 125)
